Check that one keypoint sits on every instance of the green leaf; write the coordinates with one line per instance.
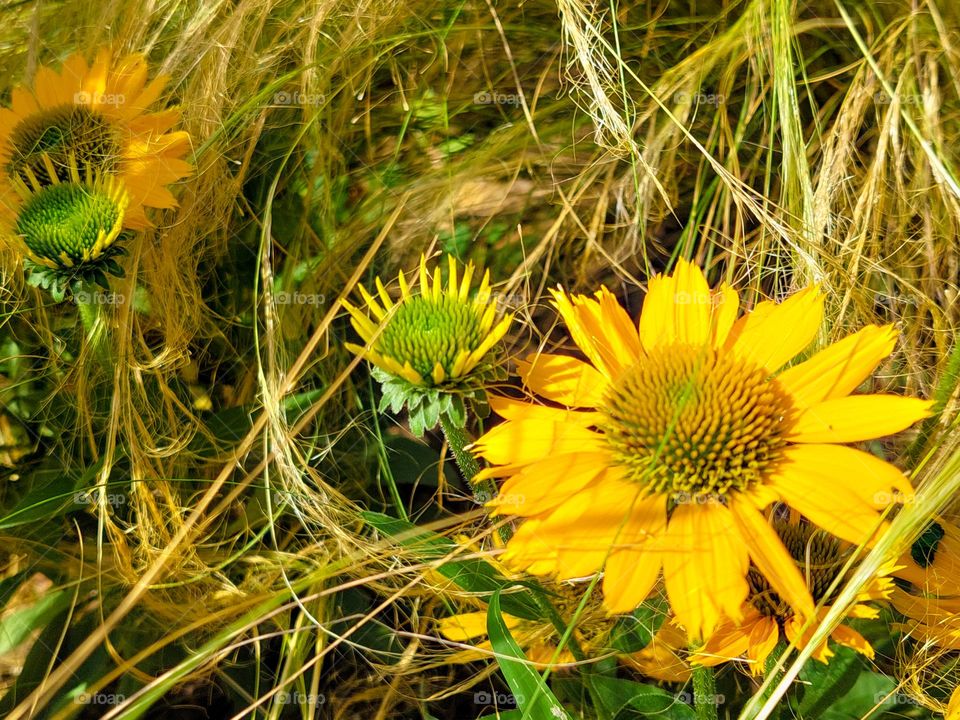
(634, 632)
(51, 494)
(474, 574)
(628, 699)
(533, 697)
(826, 686)
(18, 626)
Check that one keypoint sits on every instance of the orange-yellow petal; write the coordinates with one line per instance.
(633, 568)
(563, 379)
(541, 486)
(677, 308)
(860, 485)
(704, 566)
(519, 442)
(770, 556)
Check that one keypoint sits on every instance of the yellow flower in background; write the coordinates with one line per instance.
(438, 336)
(664, 657)
(767, 618)
(934, 622)
(677, 432)
(933, 562)
(93, 116)
(537, 639)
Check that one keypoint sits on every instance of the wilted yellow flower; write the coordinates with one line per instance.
(766, 617)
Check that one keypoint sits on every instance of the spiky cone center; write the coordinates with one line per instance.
(818, 556)
(426, 331)
(71, 223)
(45, 145)
(694, 423)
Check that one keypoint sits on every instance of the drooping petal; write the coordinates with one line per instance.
(770, 556)
(704, 565)
(728, 641)
(632, 569)
(850, 638)
(764, 636)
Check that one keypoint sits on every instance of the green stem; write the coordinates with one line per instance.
(484, 490)
(704, 693)
(90, 310)
(458, 440)
(771, 672)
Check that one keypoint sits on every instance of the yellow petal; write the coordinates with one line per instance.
(728, 641)
(770, 556)
(467, 626)
(525, 441)
(578, 536)
(517, 409)
(857, 417)
(598, 329)
(540, 486)
(677, 308)
(838, 369)
(726, 303)
(705, 562)
(563, 379)
(764, 636)
(839, 488)
(953, 709)
(632, 570)
(852, 639)
(773, 334)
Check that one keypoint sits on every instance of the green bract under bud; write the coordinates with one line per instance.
(68, 224)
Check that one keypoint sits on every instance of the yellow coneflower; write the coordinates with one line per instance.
(678, 432)
(93, 116)
(766, 618)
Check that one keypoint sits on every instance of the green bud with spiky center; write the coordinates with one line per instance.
(67, 224)
(425, 331)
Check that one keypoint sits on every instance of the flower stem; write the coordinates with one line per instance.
(704, 693)
(458, 440)
(484, 490)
